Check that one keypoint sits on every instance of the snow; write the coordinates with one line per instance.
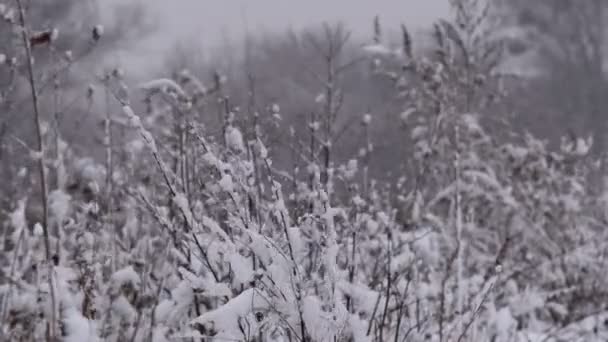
(25, 302)
(358, 329)
(362, 152)
(54, 34)
(358, 201)
(36, 155)
(160, 334)
(275, 108)
(211, 160)
(164, 310)
(226, 183)
(9, 15)
(22, 172)
(583, 146)
(135, 147)
(181, 201)
(405, 115)
(471, 121)
(243, 273)
(326, 324)
(215, 227)
(261, 247)
(365, 298)
(131, 115)
(124, 309)
(577, 146)
(182, 297)
(425, 244)
(88, 170)
(69, 56)
(135, 121)
(383, 218)
(262, 150)
(225, 319)
(18, 215)
(59, 204)
(217, 290)
(377, 49)
(234, 139)
(571, 203)
(125, 276)
(351, 168)
(38, 230)
(163, 85)
(367, 119)
(78, 328)
(526, 302)
(320, 98)
(418, 132)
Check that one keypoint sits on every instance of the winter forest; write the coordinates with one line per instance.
(432, 183)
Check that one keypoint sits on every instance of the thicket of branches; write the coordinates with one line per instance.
(185, 228)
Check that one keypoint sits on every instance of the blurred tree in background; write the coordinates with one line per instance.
(566, 43)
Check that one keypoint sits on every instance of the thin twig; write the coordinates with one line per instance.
(41, 167)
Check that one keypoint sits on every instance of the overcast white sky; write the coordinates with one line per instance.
(208, 20)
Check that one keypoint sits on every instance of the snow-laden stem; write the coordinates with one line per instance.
(108, 141)
(7, 298)
(295, 273)
(443, 295)
(58, 157)
(402, 307)
(389, 282)
(484, 294)
(311, 179)
(256, 168)
(366, 160)
(459, 239)
(373, 317)
(352, 265)
(169, 178)
(41, 168)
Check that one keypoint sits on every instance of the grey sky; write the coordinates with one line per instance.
(209, 20)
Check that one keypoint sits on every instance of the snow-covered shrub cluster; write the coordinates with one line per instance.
(191, 232)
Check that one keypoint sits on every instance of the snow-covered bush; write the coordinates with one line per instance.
(189, 230)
